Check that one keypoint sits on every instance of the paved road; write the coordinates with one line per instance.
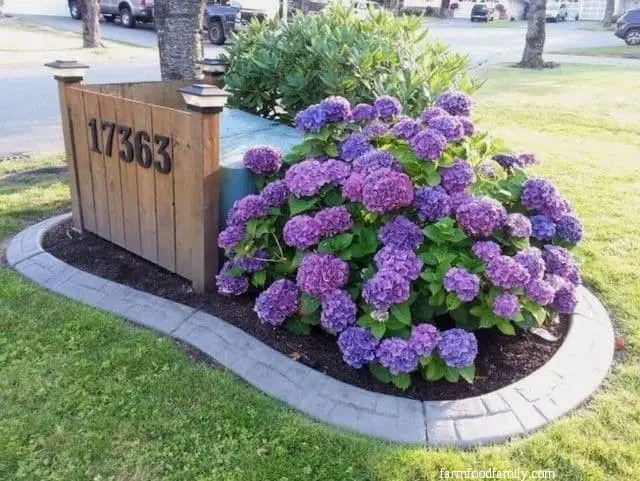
(29, 118)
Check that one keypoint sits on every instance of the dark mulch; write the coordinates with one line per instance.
(501, 361)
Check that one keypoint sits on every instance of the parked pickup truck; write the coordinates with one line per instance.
(129, 11)
(222, 17)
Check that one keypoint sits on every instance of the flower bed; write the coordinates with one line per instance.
(378, 228)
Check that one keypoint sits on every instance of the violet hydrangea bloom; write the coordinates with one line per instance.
(336, 109)
(542, 228)
(229, 237)
(334, 220)
(401, 233)
(301, 232)
(229, 285)
(310, 119)
(574, 276)
(424, 338)
(531, 259)
(387, 107)
(456, 199)
(375, 129)
(536, 193)
(338, 311)
(306, 178)
(555, 208)
(336, 171)
(262, 159)
(252, 263)
(363, 113)
(569, 228)
(518, 225)
(457, 177)
(428, 144)
(488, 169)
(468, 127)
(481, 216)
(406, 129)
(564, 300)
(486, 250)
(506, 272)
(374, 160)
(385, 190)
(354, 146)
(403, 261)
(358, 346)
(352, 187)
(540, 291)
(432, 112)
(506, 305)
(432, 203)
(249, 207)
(462, 283)
(277, 302)
(387, 287)
(558, 260)
(457, 348)
(455, 103)
(275, 193)
(322, 273)
(527, 159)
(447, 125)
(397, 356)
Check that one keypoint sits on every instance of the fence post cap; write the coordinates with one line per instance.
(204, 97)
(213, 65)
(68, 70)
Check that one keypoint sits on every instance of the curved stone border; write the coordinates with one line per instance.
(570, 377)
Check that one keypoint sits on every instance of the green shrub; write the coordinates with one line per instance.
(279, 69)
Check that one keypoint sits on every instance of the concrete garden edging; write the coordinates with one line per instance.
(566, 381)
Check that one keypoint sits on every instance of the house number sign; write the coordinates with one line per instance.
(134, 146)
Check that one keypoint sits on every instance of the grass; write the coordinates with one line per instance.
(617, 51)
(85, 396)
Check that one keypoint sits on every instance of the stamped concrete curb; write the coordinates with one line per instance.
(568, 379)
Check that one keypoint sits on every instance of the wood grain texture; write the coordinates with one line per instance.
(82, 158)
(112, 169)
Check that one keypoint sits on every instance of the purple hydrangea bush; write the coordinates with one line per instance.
(380, 229)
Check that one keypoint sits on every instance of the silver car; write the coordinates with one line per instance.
(129, 11)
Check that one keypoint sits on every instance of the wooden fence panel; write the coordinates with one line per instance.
(128, 175)
(112, 167)
(187, 149)
(165, 196)
(99, 176)
(145, 151)
(83, 163)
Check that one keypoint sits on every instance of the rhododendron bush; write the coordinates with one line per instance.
(380, 229)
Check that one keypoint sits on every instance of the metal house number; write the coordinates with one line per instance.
(138, 148)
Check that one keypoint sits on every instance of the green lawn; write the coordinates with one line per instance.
(618, 51)
(85, 396)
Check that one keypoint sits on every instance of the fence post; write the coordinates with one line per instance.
(69, 73)
(206, 103)
(213, 70)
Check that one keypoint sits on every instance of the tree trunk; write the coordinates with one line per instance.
(90, 11)
(179, 27)
(535, 37)
(608, 13)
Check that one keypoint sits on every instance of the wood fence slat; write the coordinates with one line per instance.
(146, 186)
(128, 179)
(83, 163)
(165, 214)
(98, 173)
(187, 144)
(112, 168)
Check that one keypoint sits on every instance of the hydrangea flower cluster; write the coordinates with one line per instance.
(380, 226)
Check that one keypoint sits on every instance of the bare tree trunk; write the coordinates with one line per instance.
(608, 13)
(90, 11)
(535, 37)
(179, 27)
